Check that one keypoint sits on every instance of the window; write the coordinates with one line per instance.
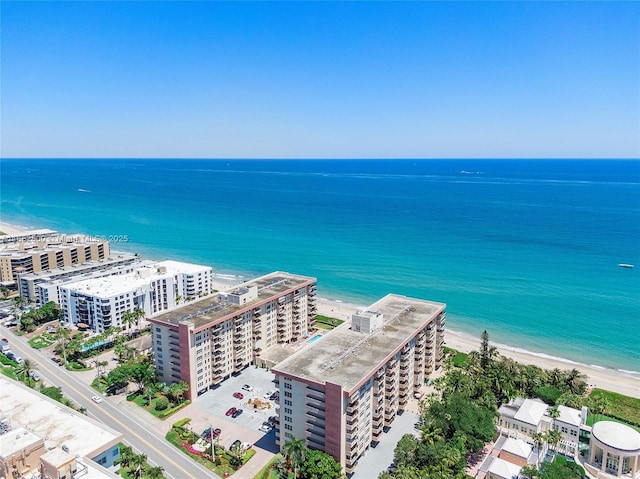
(288, 411)
(287, 402)
(288, 427)
(287, 386)
(287, 419)
(287, 394)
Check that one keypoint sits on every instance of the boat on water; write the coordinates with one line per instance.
(625, 265)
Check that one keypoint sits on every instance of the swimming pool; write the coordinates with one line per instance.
(315, 338)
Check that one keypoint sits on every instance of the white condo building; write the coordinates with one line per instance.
(100, 303)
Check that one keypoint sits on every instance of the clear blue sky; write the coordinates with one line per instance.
(320, 79)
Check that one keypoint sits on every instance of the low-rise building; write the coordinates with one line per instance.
(101, 303)
(40, 435)
(522, 418)
(341, 392)
(207, 341)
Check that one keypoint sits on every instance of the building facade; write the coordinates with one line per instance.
(48, 252)
(102, 302)
(342, 391)
(204, 342)
(42, 286)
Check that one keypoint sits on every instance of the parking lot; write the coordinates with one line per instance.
(217, 402)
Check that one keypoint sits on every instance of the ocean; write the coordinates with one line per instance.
(528, 250)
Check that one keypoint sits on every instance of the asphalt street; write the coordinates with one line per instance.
(135, 432)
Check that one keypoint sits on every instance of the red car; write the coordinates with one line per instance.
(238, 395)
(231, 411)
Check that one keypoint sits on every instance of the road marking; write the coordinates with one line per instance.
(140, 438)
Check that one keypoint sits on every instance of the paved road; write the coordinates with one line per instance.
(136, 432)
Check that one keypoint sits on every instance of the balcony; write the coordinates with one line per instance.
(316, 417)
(315, 404)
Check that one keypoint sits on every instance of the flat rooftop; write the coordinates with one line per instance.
(80, 267)
(15, 440)
(345, 357)
(212, 309)
(58, 424)
(109, 286)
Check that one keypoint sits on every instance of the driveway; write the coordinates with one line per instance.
(378, 459)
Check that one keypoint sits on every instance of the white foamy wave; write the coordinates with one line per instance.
(626, 371)
(82, 190)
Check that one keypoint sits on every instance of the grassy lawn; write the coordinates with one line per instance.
(320, 325)
(8, 371)
(459, 359)
(268, 472)
(623, 408)
(40, 342)
(141, 401)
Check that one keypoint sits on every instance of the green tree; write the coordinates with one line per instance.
(553, 437)
(143, 373)
(19, 302)
(24, 368)
(138, 315)
(138, 462)
(529, 471)
(5, 291)
(126, 457)
(63, 336)
(128, 319)
(320, 465)
(156, 472)
(295, 452)
(50, 311)
(236, 452)
(557, 470)
(176, 391)
(576, 382)
(487, 352)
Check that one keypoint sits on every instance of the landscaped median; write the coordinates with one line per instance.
(211, 455)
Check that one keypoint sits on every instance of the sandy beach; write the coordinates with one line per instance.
(609, 379)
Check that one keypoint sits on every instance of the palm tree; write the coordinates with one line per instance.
(539, 439)
(138, 314)
(24, 368)
(63, 336)
(19, 302)
(576, 381)
(553, 437)
(128, 319)
(5, 291)
(154, 472)
(126, 456)
(295, 451)
(137, 464)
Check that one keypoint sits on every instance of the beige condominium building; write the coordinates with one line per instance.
(203, 343)
(341, 392)
(42, 253)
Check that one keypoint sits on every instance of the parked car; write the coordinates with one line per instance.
(268, 394)
(266, 427)
(231, 411)
(275, 396)
(247, 387)
(235, 443)
(34, 375)
(238, 395)
(96, 399)
(236, 413)
(272, 420)
(210, 434)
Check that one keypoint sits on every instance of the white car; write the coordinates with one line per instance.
(266, 427)
(247, 387)
(267, 395)
(96, 399)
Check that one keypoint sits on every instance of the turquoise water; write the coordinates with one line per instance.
(525, 249)
(314, 339)
(95, 345)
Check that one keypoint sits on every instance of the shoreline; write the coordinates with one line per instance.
(598, 376)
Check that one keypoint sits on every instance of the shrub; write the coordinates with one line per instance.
(162, 403)
(548, 394)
